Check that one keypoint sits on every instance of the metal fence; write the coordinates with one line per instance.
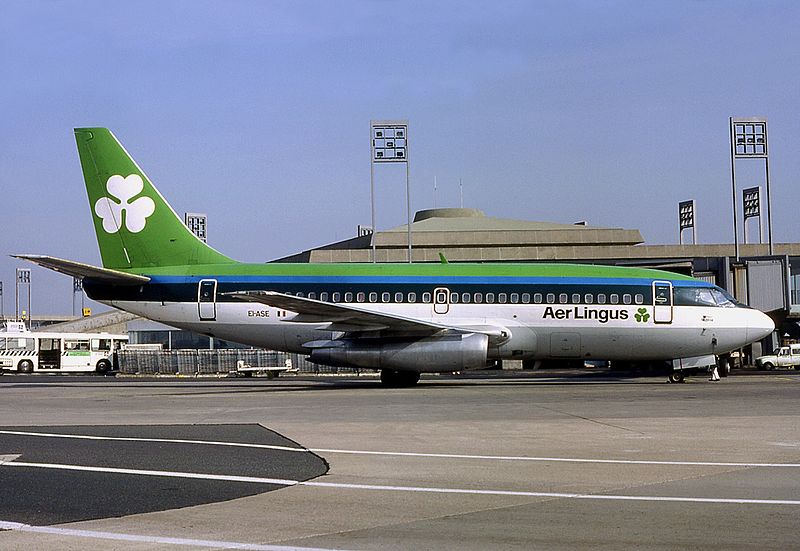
(212, 362)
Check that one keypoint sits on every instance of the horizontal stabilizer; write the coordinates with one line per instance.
(81, 270)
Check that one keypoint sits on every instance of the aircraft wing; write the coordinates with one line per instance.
(347, 318)
(81, 270)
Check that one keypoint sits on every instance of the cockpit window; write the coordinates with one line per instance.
(723, 299)
(704, 296)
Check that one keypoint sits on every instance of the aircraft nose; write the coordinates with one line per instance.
(759, 326)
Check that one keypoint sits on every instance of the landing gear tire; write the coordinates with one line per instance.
(396, 379)
(675, 377)
(25, 366)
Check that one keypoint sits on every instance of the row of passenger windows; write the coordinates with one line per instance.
(479, 298)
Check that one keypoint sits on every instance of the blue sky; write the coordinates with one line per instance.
(257, 113)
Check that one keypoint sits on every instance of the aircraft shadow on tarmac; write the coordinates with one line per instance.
(39, 496)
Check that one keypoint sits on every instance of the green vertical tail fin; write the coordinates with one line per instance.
(135, 226)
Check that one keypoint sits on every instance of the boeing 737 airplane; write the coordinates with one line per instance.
(401, 319)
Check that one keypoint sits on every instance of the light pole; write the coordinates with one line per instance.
(749, 141)
(686, 212)
(389, 144)
(23, 278)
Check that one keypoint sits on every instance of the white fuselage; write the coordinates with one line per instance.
(534, 331)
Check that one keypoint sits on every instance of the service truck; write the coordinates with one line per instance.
(785, 356)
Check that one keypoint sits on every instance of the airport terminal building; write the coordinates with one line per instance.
(768, 283)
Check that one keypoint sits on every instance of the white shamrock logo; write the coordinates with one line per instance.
(136, 212)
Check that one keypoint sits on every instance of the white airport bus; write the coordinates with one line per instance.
(51, 352)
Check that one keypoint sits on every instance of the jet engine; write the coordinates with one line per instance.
(431, 354)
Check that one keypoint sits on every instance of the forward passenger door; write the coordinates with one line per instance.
(662, 302)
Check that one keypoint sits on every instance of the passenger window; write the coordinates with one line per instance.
(638, 298)
(588, 298)
(562, 298)
(601, 298)
(478, 298)
(526, 298)
(412, 297)
(465, 297)
(373, 297)
(514, 298)
(301, 294)
(502, 298)
(576, 298)
(337, 297)
(312, 296)
(386, 297)
(453, 298)
(323, 297)
(614, 298)
(398, 297)
(537, 298)
(551, 298)
(626, 298)
(348, 297)
(360, 297)
(426, 297)
(490, 298)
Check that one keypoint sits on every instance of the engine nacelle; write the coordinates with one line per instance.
(431, 354)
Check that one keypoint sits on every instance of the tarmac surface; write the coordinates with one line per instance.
(502, 461)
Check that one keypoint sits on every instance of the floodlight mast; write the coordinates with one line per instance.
(389, 144)
(686, 210)
(749, 141)
(751, 208)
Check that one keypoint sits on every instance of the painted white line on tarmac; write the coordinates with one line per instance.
(423, 489)
(164, 440)
(415, 454)
(19, 527)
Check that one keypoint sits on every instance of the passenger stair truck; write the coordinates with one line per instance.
(785, 356)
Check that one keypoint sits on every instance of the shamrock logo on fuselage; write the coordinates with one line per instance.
(136, 212)
(641, 315)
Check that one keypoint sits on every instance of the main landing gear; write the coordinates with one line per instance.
(394, 378)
